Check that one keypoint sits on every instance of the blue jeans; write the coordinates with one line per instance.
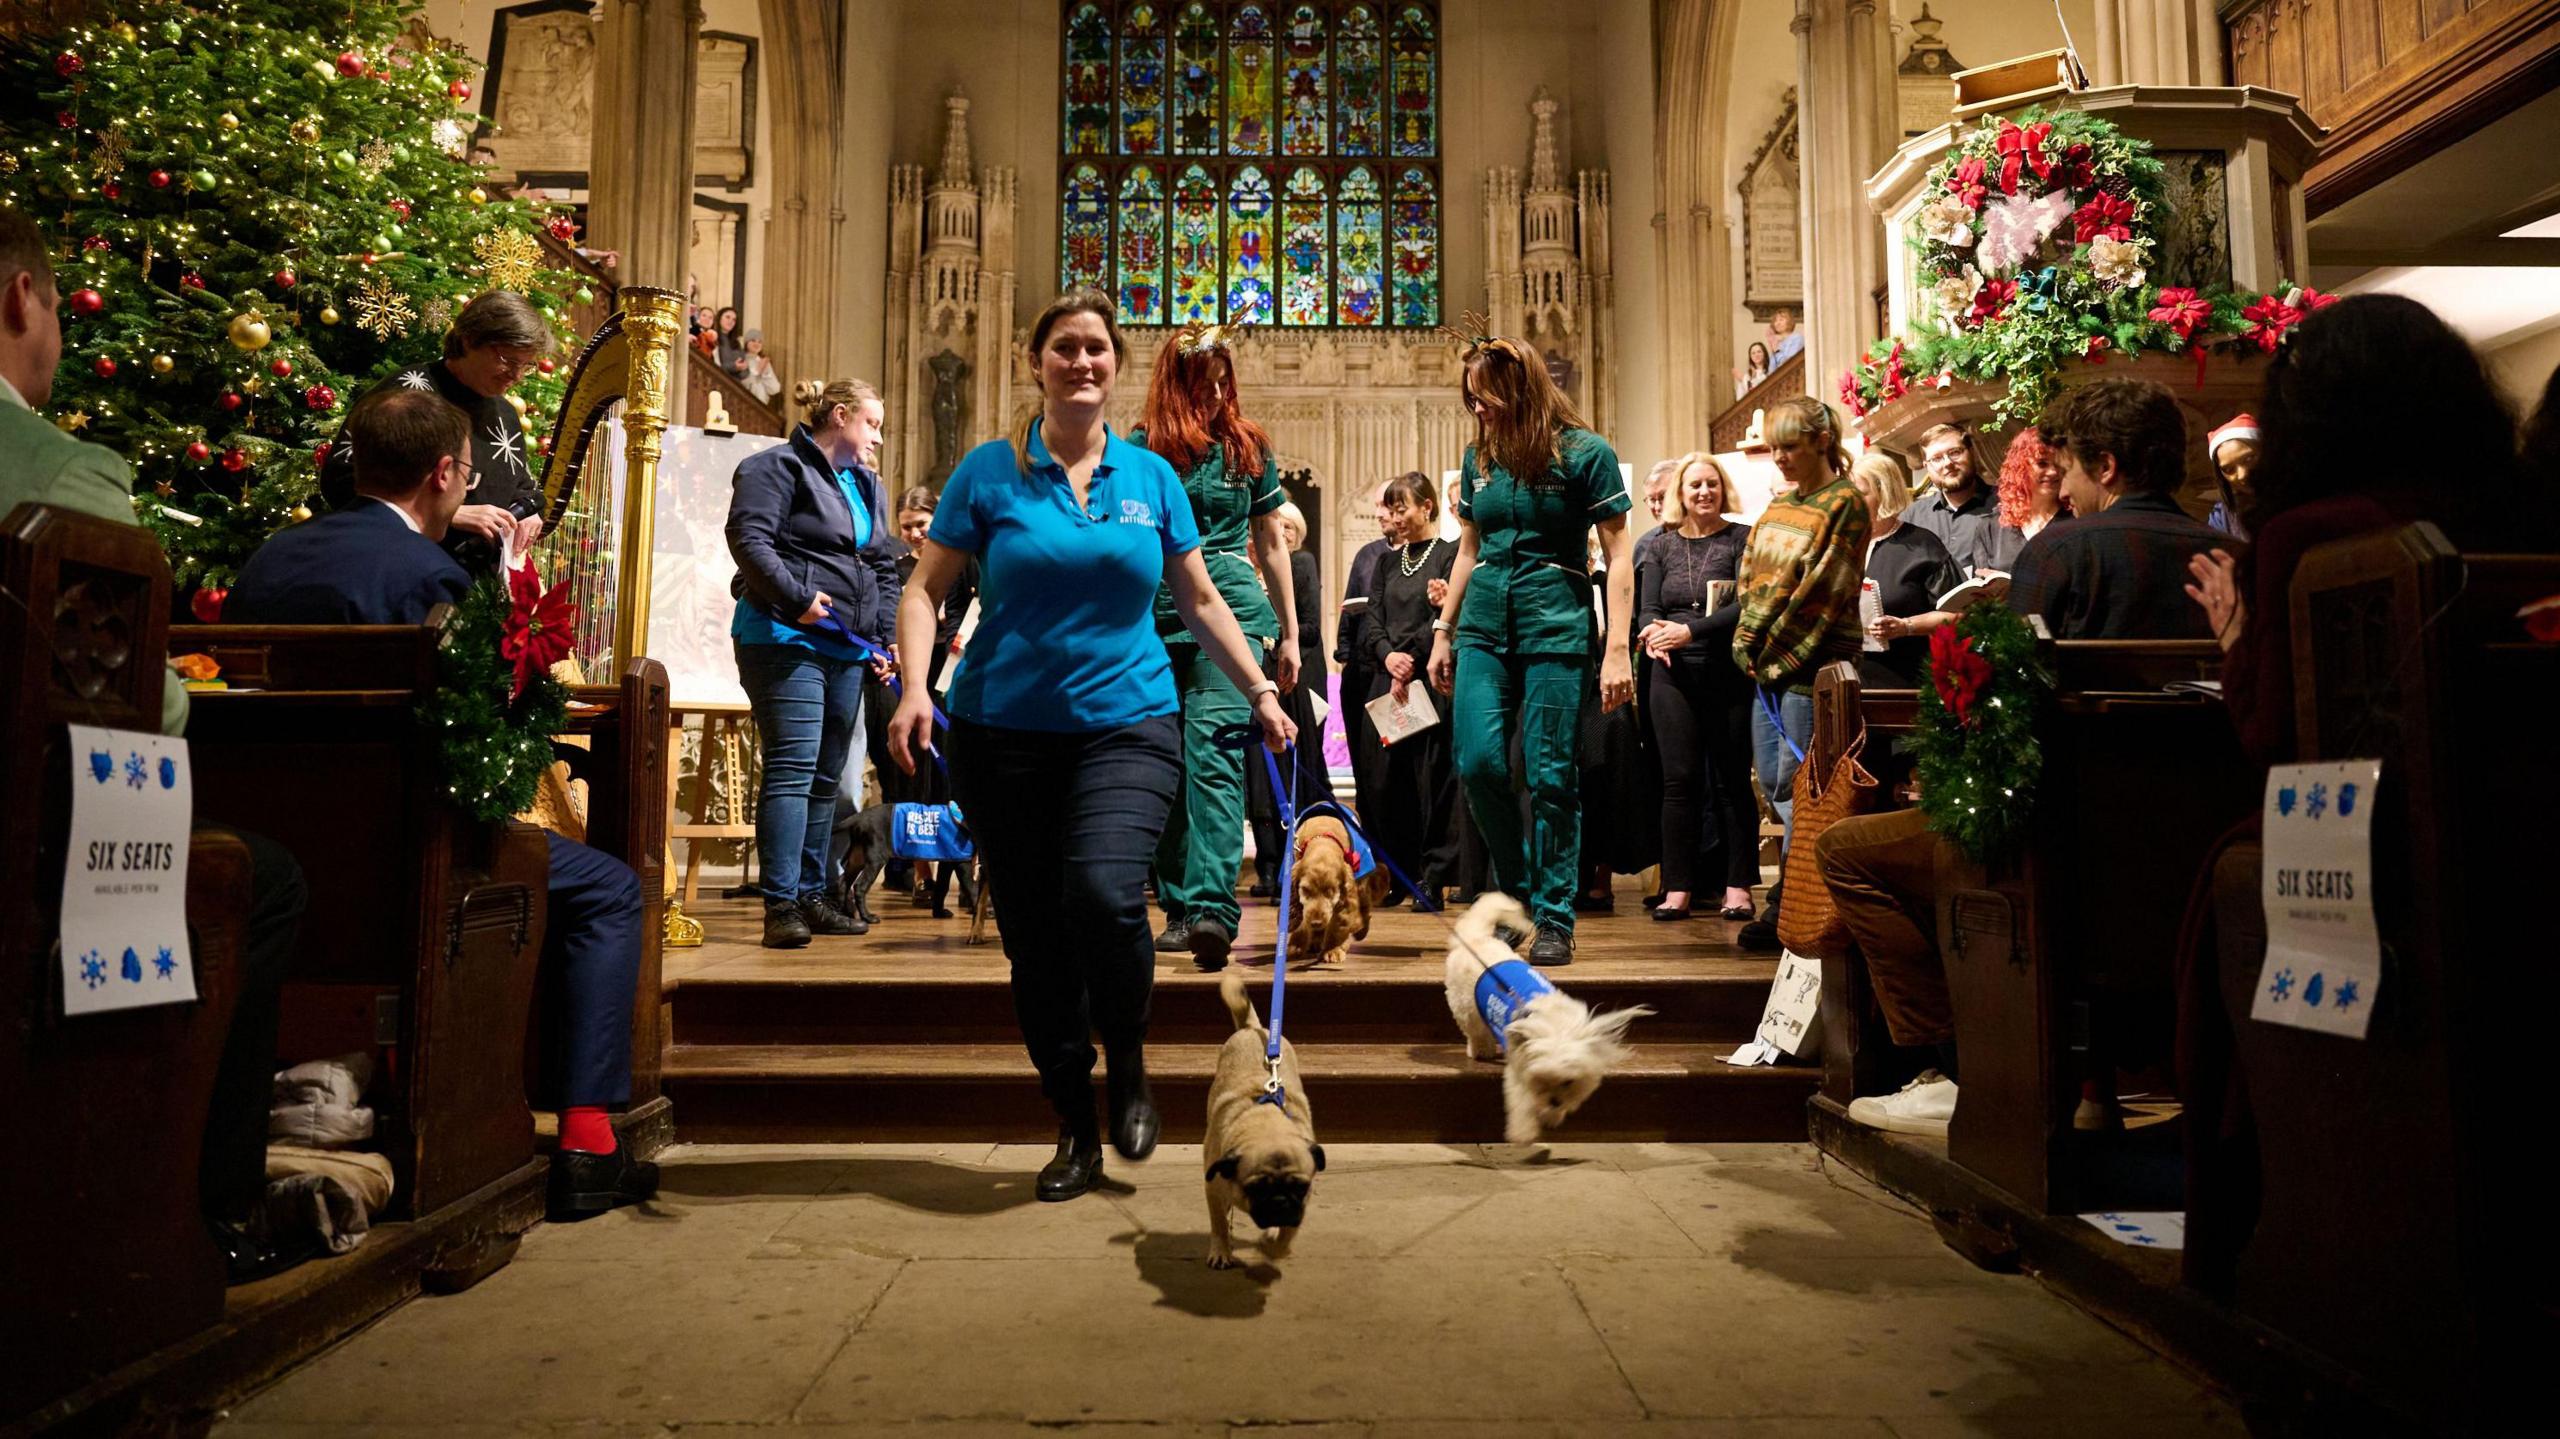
(807, 706)
(1770, 756)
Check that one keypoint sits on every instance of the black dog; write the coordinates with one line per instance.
(870, 851)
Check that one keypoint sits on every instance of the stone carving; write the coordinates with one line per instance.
(1772, 246)
(542, 98)
(2194, 224)
(951, 297)
(950, 372)
(1924, 85)
(1547, 273)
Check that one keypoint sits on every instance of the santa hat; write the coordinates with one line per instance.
(2240, 427)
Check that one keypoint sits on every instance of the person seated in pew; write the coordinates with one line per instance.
(379, 563)
(2118, 572)
(40, 464)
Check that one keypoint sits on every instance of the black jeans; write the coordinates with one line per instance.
(233, 1170)
(1066, 825)
(1414, 811)
(1702, 723)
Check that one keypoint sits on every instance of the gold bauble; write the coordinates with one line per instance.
(249, 332)
(518, 401)
(124, 31)
(328, 314)
(163, 364)
(306, 131)
(227, 120)
(301, 513)
(479, 196)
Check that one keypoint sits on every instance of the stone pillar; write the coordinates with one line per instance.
(803, 262)
(1692, 323)
(641, 176)
(2158, 42)
(1841, 55)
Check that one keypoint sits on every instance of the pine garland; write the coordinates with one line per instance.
(493, 749)
(1976, 741)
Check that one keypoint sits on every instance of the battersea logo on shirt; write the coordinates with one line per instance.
(1135, 512)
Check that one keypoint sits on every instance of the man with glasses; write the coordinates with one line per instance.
(1960, 508)
(497, 340)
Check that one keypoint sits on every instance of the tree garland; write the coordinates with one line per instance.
(493, 740)
(1976, 741)
(2034, 254)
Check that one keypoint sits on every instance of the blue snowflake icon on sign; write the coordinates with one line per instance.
(2347, 996)
(2346, 799)
(2311, 992)
(93, 969)
(131, 969)
(136, 773)
(2282, 989)
(2285, 801)
(102, 764)
(2316, 803)
(168, 773)
(166, 963)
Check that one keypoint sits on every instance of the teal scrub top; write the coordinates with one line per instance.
(1225, 505)
(1066, 639)
(1530, 592)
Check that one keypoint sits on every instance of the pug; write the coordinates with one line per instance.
(1263, 1158)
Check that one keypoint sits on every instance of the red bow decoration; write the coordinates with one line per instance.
(2541, 620)
(2108, 215)
(2270, 318)
(1958, 671)
(2308, 299)
(2182, 311)
(1968, 182)
(1992, 299)
(540, 627)
(2095, 352)
(2023, 149)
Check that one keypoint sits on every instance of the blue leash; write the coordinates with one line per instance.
(1769, 707)
(868, 653)
(1238, 736)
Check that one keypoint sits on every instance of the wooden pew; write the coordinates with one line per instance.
(103, 1116)
(627, 768)
(424, 929)
(2061, 960)
(2395, 1236)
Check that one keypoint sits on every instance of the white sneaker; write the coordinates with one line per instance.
(1922, 1107)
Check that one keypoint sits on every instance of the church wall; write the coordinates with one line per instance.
(1624, 57)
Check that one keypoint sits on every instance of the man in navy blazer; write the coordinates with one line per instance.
(377, 562)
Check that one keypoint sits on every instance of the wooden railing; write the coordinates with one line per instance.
(2393, 80)
(1725, 434)
(703, 375)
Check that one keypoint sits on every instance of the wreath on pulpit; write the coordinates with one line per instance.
(496, 706)
(1979, 759)
(2034, 253)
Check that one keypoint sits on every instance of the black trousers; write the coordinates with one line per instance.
(1702, 724)
(233, 1170)
(1066, 825)
(1312, 782)
(1414, 810)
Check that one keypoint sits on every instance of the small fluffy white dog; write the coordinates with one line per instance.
(1554, 1051)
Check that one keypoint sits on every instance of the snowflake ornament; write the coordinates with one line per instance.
(108, 159)
(437, 314)
(382, 311)
(452, 136)
(374, 158)
(510, 258)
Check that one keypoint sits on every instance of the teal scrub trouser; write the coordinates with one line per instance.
(1203, 844)
(1539, 868)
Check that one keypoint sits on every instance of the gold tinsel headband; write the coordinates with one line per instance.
(1197, 338)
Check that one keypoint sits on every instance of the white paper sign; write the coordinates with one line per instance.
(1403, 721)
(2324, 956)
(1870, 610)
(1788, 1021)
(2143, 1229)
(124, 887)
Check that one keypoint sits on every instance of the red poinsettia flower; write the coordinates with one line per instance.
(2182, 310)
(1896, 384)
(2022, 149)
(1958, 671)
(1993, 299)
(2541, 619)
(1970, 182)
(2095, 352)
(2307, 299)
(540, 627)
(2269, 318)
(2108, 215)
(1850, 394)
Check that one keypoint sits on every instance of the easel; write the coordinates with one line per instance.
(723, 737)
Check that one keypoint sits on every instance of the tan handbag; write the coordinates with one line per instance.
(1808, 923)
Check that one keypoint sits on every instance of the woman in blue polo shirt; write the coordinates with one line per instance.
(1064, 737)
(816, 562)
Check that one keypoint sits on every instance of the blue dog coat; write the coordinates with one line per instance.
(1504, 990)
(929, 831)
(1364, 863)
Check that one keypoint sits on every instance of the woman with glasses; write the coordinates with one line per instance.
(495, 342)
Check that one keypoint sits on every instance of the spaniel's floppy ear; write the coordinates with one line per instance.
(1226, 1168)
(1319, 1149)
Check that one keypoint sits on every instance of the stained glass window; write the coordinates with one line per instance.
(1280, 204)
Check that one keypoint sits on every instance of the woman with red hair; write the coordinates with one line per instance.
(1233, 479)
(2031, 485)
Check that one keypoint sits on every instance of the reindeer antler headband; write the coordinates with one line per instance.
(1473, 332)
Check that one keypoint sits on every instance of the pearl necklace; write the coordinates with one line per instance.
(1410, 562)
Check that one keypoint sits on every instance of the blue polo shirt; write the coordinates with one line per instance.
(1066, 639)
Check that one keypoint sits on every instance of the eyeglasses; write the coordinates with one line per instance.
(1944, 458)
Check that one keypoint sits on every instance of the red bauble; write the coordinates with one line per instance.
(400, 208)
(159, 179)
(563, 229)
(286, 279)
(94, 242)
(206, 604)
(68, 64)
(459, 89)
(235, 460)
(351, 64)
(199, 452)
(112, 190)
(320, 397)
(66, 119)
(105, 365)
(549, 364)
(320, 456)
(228, 401)
(369, 257)
(281, 368)
(87, 302)
(191, 280)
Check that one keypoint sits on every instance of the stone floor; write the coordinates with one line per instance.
(1453, 1290)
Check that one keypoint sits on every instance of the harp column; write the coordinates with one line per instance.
(652, 319)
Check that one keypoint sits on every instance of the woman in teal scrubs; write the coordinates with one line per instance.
(1064, 736)
(1513, 643)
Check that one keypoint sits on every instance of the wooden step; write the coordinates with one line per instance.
(796, 1093)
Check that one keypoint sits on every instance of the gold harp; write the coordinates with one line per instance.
(629, 358)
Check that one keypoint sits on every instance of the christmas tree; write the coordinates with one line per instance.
(260, 209)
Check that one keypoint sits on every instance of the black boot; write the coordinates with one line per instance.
(1553, 948)
(1133, 1106)
(784, 928)
(1209, 942)
(1075, 1167)
(824, 918)
(1176, 938)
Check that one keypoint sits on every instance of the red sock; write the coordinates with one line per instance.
(586, 1129)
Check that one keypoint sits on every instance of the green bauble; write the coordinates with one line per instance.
(586, 296)
(204, 180)
(344, 159)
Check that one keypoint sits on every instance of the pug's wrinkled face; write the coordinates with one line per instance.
(1276, 1182)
